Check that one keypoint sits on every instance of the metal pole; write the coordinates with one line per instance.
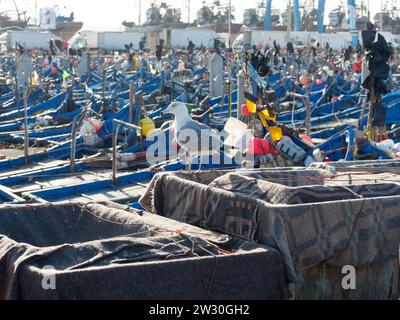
(289, 26)
(306, 101)
(267, 25)
(73, 142)
(17, 96)
(321, 12)
(369, 12)
(36, 15)
(296, 15)
(240, 89)
(173, 85)
(114, 160)
(116, 125)
(308, 108)
(229, 61)
(370, 131)
(189, 12)
(131, 100)
(362, 115)
(163, 82)
(140, 13)
(104, 83)
(351, 4)
(230, 89)
(230, 23)
(381, 15)
(26, 134)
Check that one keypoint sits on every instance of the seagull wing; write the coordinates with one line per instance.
(198, 137)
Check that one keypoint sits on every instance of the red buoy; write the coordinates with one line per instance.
(258, 147)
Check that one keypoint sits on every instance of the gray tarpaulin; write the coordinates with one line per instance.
(346, 220)
(107, 252)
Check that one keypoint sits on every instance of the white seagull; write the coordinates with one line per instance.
(195, 138)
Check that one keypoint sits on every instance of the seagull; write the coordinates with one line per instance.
(195, 138)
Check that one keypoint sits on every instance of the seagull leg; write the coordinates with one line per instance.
(200, 163)
(190, 162)
(187, 160)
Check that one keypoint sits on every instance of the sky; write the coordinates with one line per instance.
(109, 14)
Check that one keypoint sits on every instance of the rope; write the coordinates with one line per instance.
(185, 251)
(322, 178)
(154, 229)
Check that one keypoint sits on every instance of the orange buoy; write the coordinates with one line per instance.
(304, 80)
(306, 138)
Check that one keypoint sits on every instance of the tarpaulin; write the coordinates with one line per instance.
(309, 216)
(95, 251)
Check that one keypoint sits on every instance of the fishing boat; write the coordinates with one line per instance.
(337, 17)
(96, 147)
(388, 19)
(158, 14)
(62, 25)
(12, 19)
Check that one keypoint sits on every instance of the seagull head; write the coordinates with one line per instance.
(176, 108)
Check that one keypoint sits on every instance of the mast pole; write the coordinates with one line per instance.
(140, 13)
(16, 8)
(189, 12)
(230, 23)
(289, 26)
(36, 14)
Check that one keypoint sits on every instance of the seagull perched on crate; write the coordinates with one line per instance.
(195, 138)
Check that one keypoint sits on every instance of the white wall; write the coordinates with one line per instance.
(30, 39)
(260, 37)
(118, 40)
(180, 37)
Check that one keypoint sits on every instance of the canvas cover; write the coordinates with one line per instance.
(106, 251)
(300, 212)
